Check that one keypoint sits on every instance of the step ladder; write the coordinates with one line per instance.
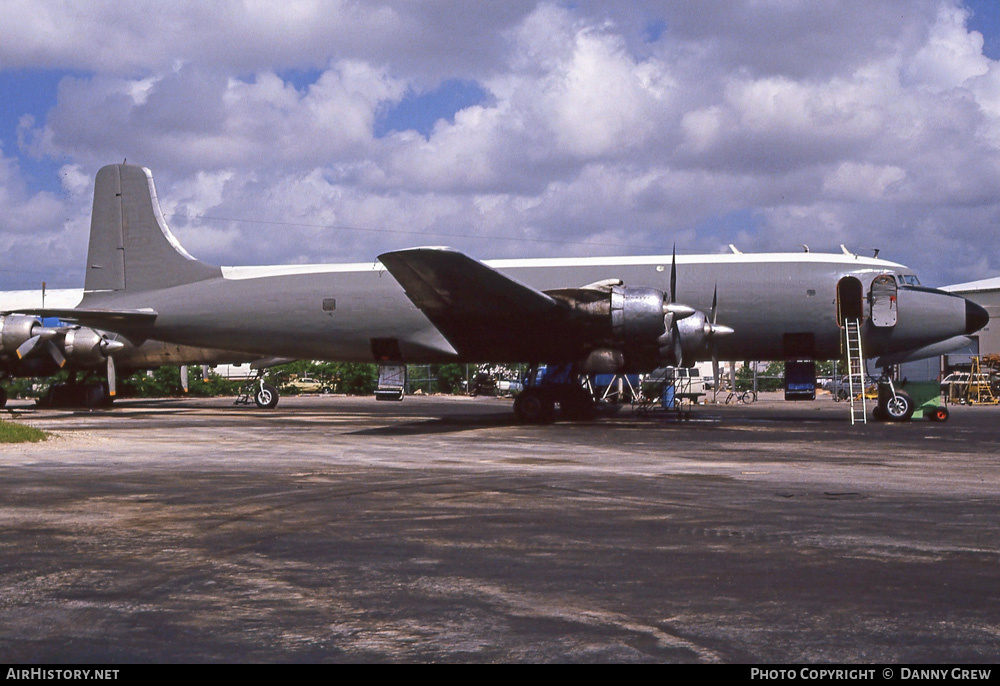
(980, 391)
(856, 371)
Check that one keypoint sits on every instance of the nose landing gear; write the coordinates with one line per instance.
(919, 400)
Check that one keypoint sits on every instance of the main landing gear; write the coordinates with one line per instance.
(74, 394)
(263, 395)
(544, 389)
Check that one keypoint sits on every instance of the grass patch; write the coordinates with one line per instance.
(12, 432)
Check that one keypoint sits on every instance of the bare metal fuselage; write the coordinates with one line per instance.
(333, 312)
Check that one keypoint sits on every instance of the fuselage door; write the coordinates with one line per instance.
(850, 300)
(883, 300)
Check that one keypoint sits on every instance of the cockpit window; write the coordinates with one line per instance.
(908, 279)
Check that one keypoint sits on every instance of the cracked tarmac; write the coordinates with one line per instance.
(339, 529)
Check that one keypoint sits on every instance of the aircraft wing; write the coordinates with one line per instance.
(110, 320)
(484, 314)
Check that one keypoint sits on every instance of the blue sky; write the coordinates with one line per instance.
(508, 129)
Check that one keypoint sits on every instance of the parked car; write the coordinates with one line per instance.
(840, 388)
(307, 384)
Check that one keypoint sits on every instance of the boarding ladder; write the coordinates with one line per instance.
(856, 371)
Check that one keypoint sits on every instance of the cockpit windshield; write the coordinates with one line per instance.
(908, 279)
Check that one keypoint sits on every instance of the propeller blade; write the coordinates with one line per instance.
(112, 378)
(204, 373)
(673, 274)
(27, 346)
(678, 350)
(184, 377)
(715, 304)
(56, 353)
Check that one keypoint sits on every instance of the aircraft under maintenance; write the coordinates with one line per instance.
(427, 305)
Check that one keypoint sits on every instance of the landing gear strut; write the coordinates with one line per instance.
(893, 405)
(263, 395)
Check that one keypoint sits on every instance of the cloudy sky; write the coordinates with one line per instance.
(329, 131)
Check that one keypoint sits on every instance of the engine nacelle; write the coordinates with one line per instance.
(15, 329)
(621, 315)
(84, 347)
(636, 314)
(603, 361)
(638, 327)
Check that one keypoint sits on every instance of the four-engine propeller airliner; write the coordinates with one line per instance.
(420, 305)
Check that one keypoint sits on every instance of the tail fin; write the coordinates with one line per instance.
(131, 247)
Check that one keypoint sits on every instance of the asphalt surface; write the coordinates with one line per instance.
(436, 529)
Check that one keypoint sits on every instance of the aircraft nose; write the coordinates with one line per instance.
(975, 317)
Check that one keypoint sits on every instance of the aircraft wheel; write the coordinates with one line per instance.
(266, 397)
(899, 408)
(3, 397)
(531, 407)
(879, 415)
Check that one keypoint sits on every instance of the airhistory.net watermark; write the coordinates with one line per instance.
(61, 674)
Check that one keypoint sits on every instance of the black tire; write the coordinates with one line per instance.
(899, 408)
(266, 397)
(532, 407)
(879, 415)
(577, 405)
(3, 397)
(938, 414)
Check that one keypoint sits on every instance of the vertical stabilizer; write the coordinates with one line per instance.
(131, 247)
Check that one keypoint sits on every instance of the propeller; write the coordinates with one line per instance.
(712, 330)
(39, 334)
(184, 377)
(108, 348)
(56, 353)
(692, 333)
(670, 341)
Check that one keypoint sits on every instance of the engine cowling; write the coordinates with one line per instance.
(84, 347)
(15, 330)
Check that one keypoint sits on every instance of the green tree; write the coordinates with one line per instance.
(771, 379)
(450, 377)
